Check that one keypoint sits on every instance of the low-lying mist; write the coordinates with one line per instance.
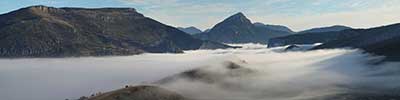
(290, 75)
(258, 74)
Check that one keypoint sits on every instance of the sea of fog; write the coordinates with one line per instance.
(278, 75)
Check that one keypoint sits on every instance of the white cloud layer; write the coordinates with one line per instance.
(279, 75)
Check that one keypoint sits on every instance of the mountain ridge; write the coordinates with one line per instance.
(381, 41)
(274, 27)
(326, 29)
(239, 29)
(311, 36)
(41, 31)
(190, 30)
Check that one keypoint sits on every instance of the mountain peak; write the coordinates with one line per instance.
(239, 29)
(238, 15)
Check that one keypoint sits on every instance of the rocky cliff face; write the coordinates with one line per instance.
(41, 31)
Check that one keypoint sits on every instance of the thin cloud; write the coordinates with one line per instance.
(298, 14)
(148, 2)
(372, 16)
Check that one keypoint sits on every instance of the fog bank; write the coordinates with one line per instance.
(276, 75)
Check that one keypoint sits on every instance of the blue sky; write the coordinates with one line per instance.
(296, 14)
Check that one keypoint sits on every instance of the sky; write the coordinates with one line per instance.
(296, 14)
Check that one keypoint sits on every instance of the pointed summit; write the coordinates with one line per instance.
(238, 17)
(239, 14)
(234, 29)
(238, 29)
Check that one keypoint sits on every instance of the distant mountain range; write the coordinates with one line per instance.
(311, 36)
(308, 38)
(41, 31)
(383, 40)
(274, 27)
(239, 29)
(326, 29)
(190, 30)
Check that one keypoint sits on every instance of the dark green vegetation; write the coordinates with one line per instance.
(239, 29)
(41, 31)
